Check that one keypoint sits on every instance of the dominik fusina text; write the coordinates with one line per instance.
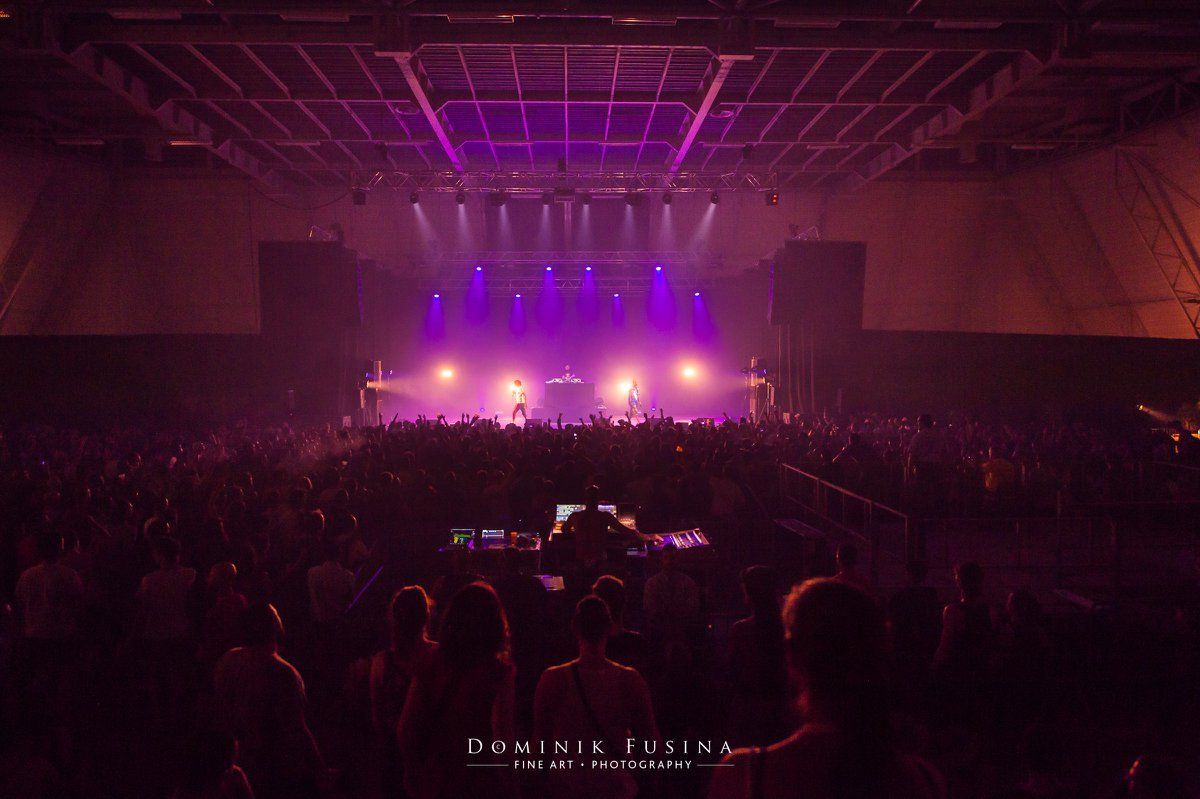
(630, 746)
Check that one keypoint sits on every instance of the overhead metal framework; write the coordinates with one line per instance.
(575, 183)
(831, 93)
(608, 272)
(1143, 194)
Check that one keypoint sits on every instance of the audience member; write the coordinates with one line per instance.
(261, 702)
(758, 671)
(392, 672)
(465, 691)
(624, 646)
(836, 643)
(671, 600)
(592, 698)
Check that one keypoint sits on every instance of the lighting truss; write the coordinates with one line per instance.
(579, 181)
(507, 272)
(675, 259)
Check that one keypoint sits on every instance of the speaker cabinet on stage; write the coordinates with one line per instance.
(311, 314)
(819, 282)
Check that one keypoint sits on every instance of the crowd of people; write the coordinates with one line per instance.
(275, 613)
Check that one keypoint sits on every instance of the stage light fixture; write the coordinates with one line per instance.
(446, 373)
(518, 296)
(616, 296)
(585, 199)
(460, 197)
(549, 268)
(437, 296)
(633, 198)
(714, 198)
(587, 269)
(479, 269)
(498, 198)
(358, 196)
(697, 294)
(666, 198)
(771, 197)
(547, 197)
(689, 372)
(414, 197)
(658, 268)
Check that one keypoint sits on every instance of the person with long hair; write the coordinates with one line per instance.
(836, 644)
(392, 672)
(464, 691)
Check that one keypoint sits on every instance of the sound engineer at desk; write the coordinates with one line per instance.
(590, 528)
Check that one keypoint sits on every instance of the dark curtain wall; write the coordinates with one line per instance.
(92, 380)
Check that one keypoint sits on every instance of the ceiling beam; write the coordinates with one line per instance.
(366, 70)
(214, 69)
(432, 31)
(662, 12)
(719, 69)
(948, 81)
(173, 118)
(849, 84)
(908, 73)
(404, 60)
(951, 120)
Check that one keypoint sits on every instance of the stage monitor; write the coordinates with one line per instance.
(492, 535)
(461, 535)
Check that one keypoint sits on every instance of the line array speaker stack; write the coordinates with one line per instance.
(816, 307)
(311, 313)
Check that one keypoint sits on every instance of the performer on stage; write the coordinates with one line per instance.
(519, 398)
(635, 400)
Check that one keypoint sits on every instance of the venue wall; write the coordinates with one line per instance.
(1049, 250)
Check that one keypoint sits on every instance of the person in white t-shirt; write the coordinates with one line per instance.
(520, 403)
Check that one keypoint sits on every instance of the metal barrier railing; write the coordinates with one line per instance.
(1059, 549)
(852, 513)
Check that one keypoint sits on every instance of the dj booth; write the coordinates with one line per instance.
(574, 400)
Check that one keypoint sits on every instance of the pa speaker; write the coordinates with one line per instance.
(819, 282)
(308, 288)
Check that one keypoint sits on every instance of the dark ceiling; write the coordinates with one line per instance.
(792, 94)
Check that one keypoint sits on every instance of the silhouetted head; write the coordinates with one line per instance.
(165, 550)
(612, 590)
(474, 629)
(836, 646)
(593, 621)
(760, 585)
(409, 614)
(49, 545)
(591, 497)
(969, 577)
(261, 625)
